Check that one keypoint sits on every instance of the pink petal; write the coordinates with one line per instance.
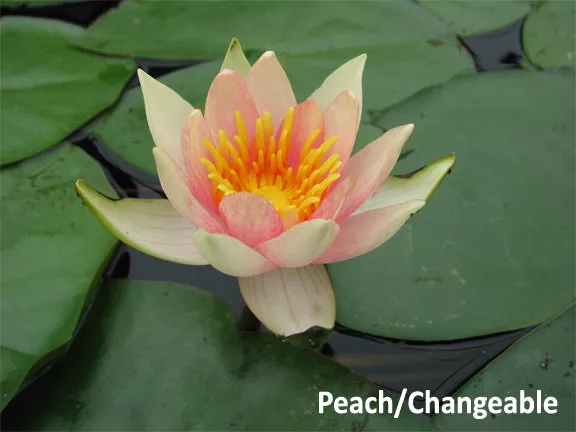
(250, 217)
(332, 203)
(229, 255)
(177, 189)
(193, 150)
(307, 118)
(341, 118)
(364, 232)
(371, 166)
(227, 94)
(301, 244)
(270, 87)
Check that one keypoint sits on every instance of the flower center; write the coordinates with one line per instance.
(261, 167)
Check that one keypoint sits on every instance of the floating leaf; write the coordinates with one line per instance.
(165, 356)
(52, 250)
(543, 360)
(468, 17)
(493, 249)
(549, 34)
(48, 88)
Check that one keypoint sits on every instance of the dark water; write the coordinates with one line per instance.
(393, 364)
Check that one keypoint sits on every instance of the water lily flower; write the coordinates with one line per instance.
(264, 188)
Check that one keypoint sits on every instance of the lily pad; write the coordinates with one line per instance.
(52, 251)
(549, 34)
(493, 249)
(165, 356)
(468, 17)
(412, 51)
(543, 360)
(49, 88)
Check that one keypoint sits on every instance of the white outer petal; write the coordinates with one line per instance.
(290, 301)
(346, 77)
(229, 255)
(166, 113)
(151, 226)
(419, 186)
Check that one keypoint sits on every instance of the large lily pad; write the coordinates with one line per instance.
(52, 250)
(411, 51)
(493, 249)
(543, 360)
(467, 17)
(549, 34)
(158, 356)
(48, 88)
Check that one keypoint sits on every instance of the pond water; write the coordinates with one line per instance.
(392, 364)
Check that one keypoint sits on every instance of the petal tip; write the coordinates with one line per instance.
(86, 192)
(225, 72)
(235, 58)
(268, 55)
(143, 77)
(405, 130)
(79, 184)
(234, 43)
(415, 206)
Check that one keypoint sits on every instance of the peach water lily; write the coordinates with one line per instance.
(266, 189)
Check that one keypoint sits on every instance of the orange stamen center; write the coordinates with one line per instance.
(261, 167)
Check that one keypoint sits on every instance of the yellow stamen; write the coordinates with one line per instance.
(242, 136)
(260, 165)
(308, 143)
(284, 143)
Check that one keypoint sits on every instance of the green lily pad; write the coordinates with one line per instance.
(493, 249)
(468, 17)
(549, 34)
(52, 251)
(159, 356)
(543, 360)
(49, 88)
(411, 51)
